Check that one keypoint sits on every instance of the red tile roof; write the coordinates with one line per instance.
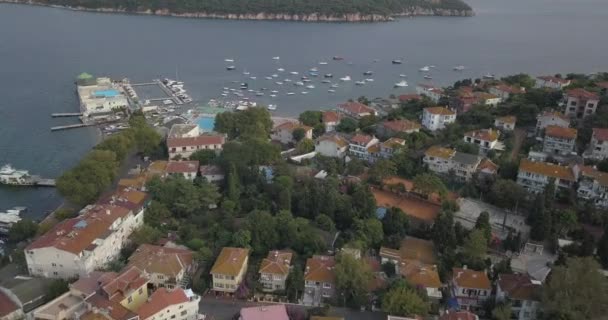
(468, 278)
(7, 305)
(458, 315)
(519, 287)
(440, 111)
(124, 284)
(356, 108)
(509, 89)
(554, 79)
(162, 260)
(401, 125)
(600, 134)
(582, 94)
(331, 116)
(114, 309)
(273, 312)
(277, 262)
(603, 85)
(160, 300)
(409, 97)
(182, 166)
(483, 134)
(291, 126)
(560, 132)
(202, 140)
(361, 139)
(320, 268)
(547, 169)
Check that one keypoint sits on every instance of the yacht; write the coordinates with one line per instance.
(335, 85)
(246, 73)
(346, 78)
(359, 83)
(11, 176)
(322, 63)
(279, 83)
(401, 84)
(397, 61)
(294, 73)
(276, 58)
(428, 77)
(252, 78)
(228, 60)
(275, 75)
(402, 76)
(287, 80)
(304, 92)
(306, 80)
(310, 86)
(268, 78)
(280, 69)
(273, 96)
(299, 83)
(369, 80)
(272, 107)
(328, 75)
(424, 69)
(458, 68)
(331, 90)
(314, 69)
(224, 94)
(290, 93)
(274, 91)
(229, 68)
(9, 218)
(367, 73)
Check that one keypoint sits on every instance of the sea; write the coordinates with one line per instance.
(43, 49)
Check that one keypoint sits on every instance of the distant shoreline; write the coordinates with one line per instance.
(314, 17)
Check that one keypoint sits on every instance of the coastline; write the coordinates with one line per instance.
(314, 17)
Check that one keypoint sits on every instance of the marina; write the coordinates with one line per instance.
(13, 177)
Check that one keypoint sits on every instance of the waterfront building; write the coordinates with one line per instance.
(100, 97)
(332, 145)
(429, 91)
(356, 110)
(184, 147)
(364, 147)
(436, 118)
(551, 82)
(283, 133)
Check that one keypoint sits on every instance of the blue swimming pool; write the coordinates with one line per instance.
(206, 124)
(106, 93)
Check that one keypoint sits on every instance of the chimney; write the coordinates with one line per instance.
(108, 212)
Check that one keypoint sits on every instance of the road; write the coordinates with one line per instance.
(225, 309)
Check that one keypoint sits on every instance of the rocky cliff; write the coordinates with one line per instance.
(315, 17)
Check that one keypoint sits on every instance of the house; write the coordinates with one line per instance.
(405, 98)
(593, 186)
(506, 123)
(77, 246)
(184, 130)
(185, 169)
(432, 92)
(444, 160)
(284, 132)
(534, 176)
(319, 280)
(580, 103)
(330, 120)
(332, 145)
(551, 82)
(521, 292)
(504, 91)
(391, 128)
(129, 288)
(486, 99)
(176, 304)
(229, 269)
(272, 312)
(551, 118)
(391, 146)
(458, 315)
(559, 140)
(486, 139)
(470, 288)
(184, 147)
(421, 275)
(364, 147)
(436, 118)
(212, 173)
(274, 270)
(9, 306)
(487, 167)
(165, 267)
(598, 146)
(356, 110)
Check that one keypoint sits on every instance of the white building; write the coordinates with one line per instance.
(506, 123)
(330, 120)
(551, 118)
(432, 92)
(184, 147)
(580, 103)
(534, 176)
(100, 98)
(593, 186)
(75, 247)
(551, 82)
(448, 161)
(185, 169)
(559, 140)
(486, 139)
(212, 173)
(504, 91)
(284, 132)
(436, 118)
(184, 130)
(274, 270)
(522, 293)
(364, 147)
(332, 145)
(165, 267)
(178, 304)
(390, 147)
(470, 288)
(598, 148)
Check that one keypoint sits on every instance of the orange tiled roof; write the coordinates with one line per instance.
(418, 249)
(374, 148)
(519, 287)
(361, 139)
(440, 152)
(113, 309)
(507, 119)
(403, 125)
(468, 278)
(488, 166)
(440, 111)
(335, 138)
(560, 132)
(509, 89)
(124, 284)
(277, 262)
(420, 274)
(156, 168)
(7, 305)
(555, 114)
(356, 108)
(160, 300)
(291, 126)
(600, 177)
(330, 116)
(582, 94)
(230, 261)
(182, 166)
(547, 169)
(483, 134)
(393, 143)
(163, 260)
(320, 268)
(202, 140)
(409, 97)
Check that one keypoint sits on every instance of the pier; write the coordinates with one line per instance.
(71, 126)
(45, 182)
(66, 114)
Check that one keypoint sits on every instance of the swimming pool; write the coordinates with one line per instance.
(206, 124)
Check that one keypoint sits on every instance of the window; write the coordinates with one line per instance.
(141, 290)
(53, 264)
(130, 299)
(55, 273)
(173, 317)
(183, 313)
(327, 285)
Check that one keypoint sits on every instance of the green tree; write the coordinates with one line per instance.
(22, 230)
(564, 220)
(602, 248)
(56, 288)
(311, 118)
(576, 290)
(382, 169)
(355, 167)
(395, 223)
(427, 184)
(353, 277)
(145, 234)
(305, 146)
(65, 213)
(502, 312)
(324, 222)
(369, 232)
(262, 226)
(253, 123)
(157, 214)
(506, 193)
(294, 285)
(401, 300)
(476, 245)
(443, 233)
(367, 122)
(241, 239)
(298, 134)
(232, 185)
(483, 223)
(204, 157)
(347, 125)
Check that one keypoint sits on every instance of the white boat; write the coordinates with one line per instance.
(402, 76)
(9, 218)
(326, 81)
(432, 67)
(299, 83)
(401, 84)
(304, 92)
(11, 176)
(225, 88)
(280, 69)
(488, 76)
(230, 68)
(268, 78)
(331, 90)
(458, 68)
(323, 63)
(294, 73)
(306, 80)
(335, 85)
(274, 91)
(167, 102)
(359, 83)
(279, 83)
(314, 70)
(287, 80)
(252, 78)
(369, 80)
(328, 75)
(250, 90)
(224, 94)
(290, 93)
(428, 77)
(229, 60)
(346, 78)
(275, 75)
(272, 107)
(397, 61)
(310, 86)
(259, 94)
(424, 69)
(276, 58)
(246, 73)
(273, 95)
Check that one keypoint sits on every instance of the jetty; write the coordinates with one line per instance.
(72, 126)
(66, 114)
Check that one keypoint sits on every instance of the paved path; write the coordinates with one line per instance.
(225, 309)
(519, 135)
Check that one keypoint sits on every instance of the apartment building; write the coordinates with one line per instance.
(558, 140)
(436, 118)
(229, 269)
(470, 288)
(580, 103)
(165, 267)
(319, 280)
(274, 270)
(534, 176)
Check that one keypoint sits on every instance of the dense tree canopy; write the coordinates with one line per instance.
(401, 300)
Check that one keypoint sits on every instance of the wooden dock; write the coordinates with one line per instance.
(71, 126)
(66, 114)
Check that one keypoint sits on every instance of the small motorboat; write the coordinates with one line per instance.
(272, 107)
(230, 68)
(401, 84)
(314, 74)
(273, 95)
(424, 69)
(458, 68)
(369, 80)
(275, 75)
(360, 83)
(346, 78)
(259, 94)
(428, 77)
(310, 86)
(299, 83)
(326, 81)
(402, 76)
(331, 90)
(290, 93)
(229, 60)
(314, 69)
(246, 73)
(250, 90)
(294, 73)
(274, 91)
(397, 61)
(276, 58)
(488, 76)
(367, 73)
(224, 94)
(304, 92)
(268, 78)
(280, 69)
(279, 83)
(287, 80)
(306, 80)
(335, 85)
(328, 75)
(322, 63)
(252, 78)
(337, 58)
